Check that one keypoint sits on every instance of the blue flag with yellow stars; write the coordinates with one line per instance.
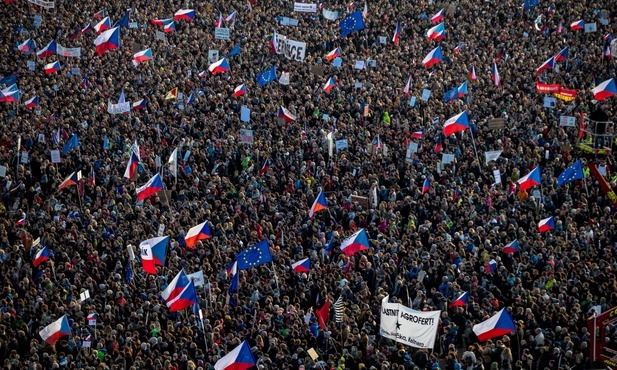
(572, 173)
(254, 256)
(353, 22)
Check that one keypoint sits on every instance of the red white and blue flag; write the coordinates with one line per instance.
(495, 75)
(184, 14)
(49, 50)
(578, 25)
(301, 266)
(397, 34)
(161, 22)
(239, 91)
(472, 74)
(286, 115)
(562, 55)
(139, 105)
(56, 330)
(438, 17)
(220, 66)
(108, 40)
(219, 21)
(32, 102)
(407, 86)
(329, 85)
(355, 243)
(9, 94)
(92, 319)
(491, 266)
(546, 225)
(73, 179)
(265, 167)
(231, 17)
(605, 90)
(186, 298)
(437, 32)
(41, 256)
(240, 358)
(530, 180)
(99, 15)
(457, 123)
(319, 204)
(498, 325)
(333, 54)
(131, 166)
(197, 233)
(21, 221)
(460, 301)
(52, 67)
(142, 56)
(27, 46)
(153, 252)
(549, 64)
(176, 286)
(153, 186)
(87, 28)
(171, 27)
(102, 26)
(432, 58)
(512, 247)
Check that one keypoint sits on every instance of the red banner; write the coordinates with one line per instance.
(598, 350)
(547, 89)
(603, 184)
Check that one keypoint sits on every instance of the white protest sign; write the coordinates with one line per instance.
(245, 114)
(497, 176)
(410, 327)
(43, 4)
(198, 278)
(590, 27)
(161, 230)
(567, 121)
(383, 39)
(31, 65)
(292, 49)
(213, 56)
(160, 35)
(55, 156)
(359, 64)
(447, 158)
(426, 94)
(75, 71)
(330, 14)
(2, 171)
(84, 295)
(221, 33)
(284, 79)
(341, 144)
(492, 155)
(118, 108)
(68, 52)
(305, 8)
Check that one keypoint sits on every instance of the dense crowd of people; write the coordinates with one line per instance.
(427, 246)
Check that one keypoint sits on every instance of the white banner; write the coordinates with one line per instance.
(492, 155)
(68, 52)
(43, 4)
(221, 33)
(286, 21)
(118, 108)
(291, 49)
(198, 278)
(330, 15)
(404, 325)
(305, 8)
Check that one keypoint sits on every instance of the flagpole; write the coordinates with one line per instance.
(475, 150)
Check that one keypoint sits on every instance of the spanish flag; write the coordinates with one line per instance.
(172, 94)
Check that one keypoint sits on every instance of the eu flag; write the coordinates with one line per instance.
(572, 173)
(255, 255)
(451, 95)
(234, 51)
(72, 143)
(129, 273)
(124, 22)
(8, 80)
(353, 22)
(267, 76)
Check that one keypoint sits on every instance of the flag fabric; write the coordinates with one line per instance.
(397, 34)
(560, 28)
(161, 22)
(186, 298)
(339, 309)
(256, 255)
(549, 64)
(234, 51)
(432, 58)
(92, 178)
(377, 143)
(147, 261)
(176, 286)
(190, 99)
(184, 14)
(531, 179)
(439, 16)
(140, 104)
(329, 85)
(426, 186)
(562, 55)
(333, 54)
(303, 265)
(546, 224)
(572, 173)
(472, 74)
(219, 21)
(153, 186)
(461, 301)
(450, 95)
(605, 90)
(41, 256)
(500, 54)
(126, 18)
(173, 163)
(108, 40)
(99, 15)
(239, 91)
(365, 11)
(52, 68)
(491, 266)
(417, 135)
(56, 330)
(87, 28)
(129, 273)
(170, 27)
(21, 221)
(231, 17)
(49, 50)
(172, 94)
(9, 80)
(457, 123)
(495, 75)
(32, 102)
(352, 22)
(438, 144)
(437, 32)
(131, 166)
(92, 317)
(355, 243)
(319, 204)
(512, 247)
(142, 56)
(286, 115)
(240, 358)
(73, 179)
(10, 94)
(103, 25)
(220, 66)
(197, 233)
(323, 314)
(274, 45)
(56, 138)
(498, 325)
(87, 343)
(578, 25)
(153, 253)
(407, 86)
(265, 167)
(27, 46)
(462, 90)
(267, 76)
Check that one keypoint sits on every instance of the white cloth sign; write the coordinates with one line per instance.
(43, 4)
(407, 326)
(330, 14)
(305, 8)
(68, 52)
(492, 155)
(118, 108)
(291, 49)
(198, 278)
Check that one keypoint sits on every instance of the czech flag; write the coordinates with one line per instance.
(142, 56)
(319, 204)
(432, 58)
(436, 33)
(139, 105)
(455, 124)
(546, 225)
(186, 298)
(512, 247)
(240, 358)
(108, 40)
(549, 64)
(153, 186)
(231, 17)
(102, 26)
(87, 28)
(302, 266)
(99, 15)
(462, 90)
(219, 67)
(578, 25)
(438, 17)
(153, 253)
(161, 22)
(498, 325)
(562, 55)
(417, 135)
(472, 74)
(41, 256)
(605, 90)
(49, 50)
(91, 319)
(197, 233)
(185, 14)
(355, 243)
(329, 85)
(219, 21)
(530, 180)
(203, 74)
(286, 115)
(27, 46)
(491, 266)
(239, 91)
(21, 221)
(131, 167)
(460, 301)
(32, 102)
(52, 67)
(333, 54)
(560, 28)
(73, 179)
(176, 286)
(56, 330)
(171, 27)
(397, 34)
(9, 94)
(407, 86)
(426, 185)
(265, 167)
(495, 75)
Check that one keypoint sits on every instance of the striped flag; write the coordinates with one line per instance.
(339, 309)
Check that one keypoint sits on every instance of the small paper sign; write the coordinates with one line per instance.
(161, 230)
(359, 64)
(31, 65)
(383, 39)
(55, 156)
(84, 295)
(567, 121)
(338, 61)
(24, 157)
(426, 94)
